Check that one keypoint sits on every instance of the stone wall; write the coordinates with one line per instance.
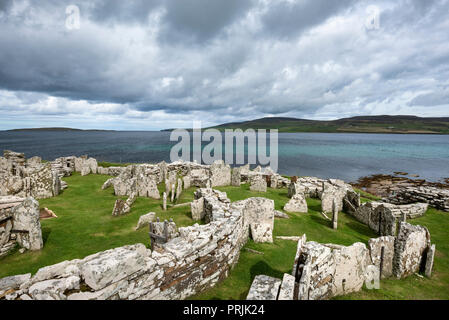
(19, 224)
(437, 198)
(27, 178)
(323, 271)
(383, 217)
(197, 259)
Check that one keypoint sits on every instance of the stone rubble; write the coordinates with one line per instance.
(145, 220)
(297, 204)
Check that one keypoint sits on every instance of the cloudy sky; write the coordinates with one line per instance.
(147, 65)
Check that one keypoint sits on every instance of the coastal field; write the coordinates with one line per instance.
(364, 124)
(85, 226)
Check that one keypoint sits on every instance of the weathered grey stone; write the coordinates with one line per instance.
(63, 269)
(330, 194)
(186, 182)
(145, 220)
(375, 246)
(258, 184)
(53, 289)
(236, 177)
(197, 207)
(172, 196)
(164, 201)
(410, 245)
(26, 219)
(114, 265)
(429, 261)
(220, 174)
(351, 263)
(264, 288)
(107, 184)
(287, 289)
(281, 215)
(179, 189)
(259, 213)
(316, 271)
(297, 204)
(14, 282)
(335, 215)
(123, 207)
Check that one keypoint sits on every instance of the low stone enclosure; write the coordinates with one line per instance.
(437, 198)
(196, 259)
(186, 261)
(323, 271)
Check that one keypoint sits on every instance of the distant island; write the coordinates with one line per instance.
(54, 129)
(362, 124)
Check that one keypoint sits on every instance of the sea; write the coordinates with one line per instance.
(346, 156)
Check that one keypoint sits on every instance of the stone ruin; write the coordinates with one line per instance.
(381, 217)
(19, 224)
(197, 257)
(328, 191)
(323, 271)
(384, 218)
(27, 178)
(437, 198)
(194, 260)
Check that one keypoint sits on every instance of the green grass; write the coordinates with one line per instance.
(85, 226)
(110, 164)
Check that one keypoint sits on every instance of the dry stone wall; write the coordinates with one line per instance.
(323, 271)
(25, 178)
(437, 198)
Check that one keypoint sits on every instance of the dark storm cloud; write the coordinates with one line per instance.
(200, 20)
(135, 11)
(286, 19)
(5, 5)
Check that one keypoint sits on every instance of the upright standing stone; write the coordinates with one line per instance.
(236, 177)
(429, 261)
(258, 184)
(187, 182)
(197, 208)
(335, 215)
(164, 201)
(167, 186)
(172, 193)
(179, 189)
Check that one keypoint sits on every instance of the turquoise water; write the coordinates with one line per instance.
(344, 156)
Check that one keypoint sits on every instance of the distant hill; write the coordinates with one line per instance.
(363, 124)
(53, 129)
